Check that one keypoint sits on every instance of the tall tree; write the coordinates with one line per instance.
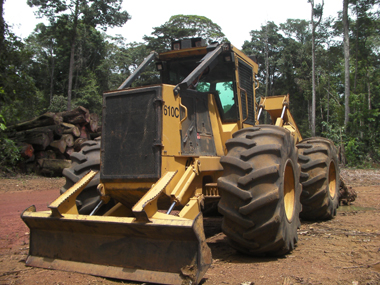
(104, 13)
(266, 52)
(2, 38)
(183, 26)
(346, 41)
(2, 26)
(294, 70)
(315, 12)
(43, 44)
(267, 44)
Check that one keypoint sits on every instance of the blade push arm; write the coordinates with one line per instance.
(182, 194)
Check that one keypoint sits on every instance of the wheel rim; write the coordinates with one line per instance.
(332, 179)
(289, 190)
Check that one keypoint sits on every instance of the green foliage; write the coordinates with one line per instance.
(9, 152)
(88, 96)
(58, 104)
(333, 132)
(17, 93)
(183, 26)
(354, 152)
(2, 123)
(105, 13)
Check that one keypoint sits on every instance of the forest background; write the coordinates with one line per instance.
(70, 61)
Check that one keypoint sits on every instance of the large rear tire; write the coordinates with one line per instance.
(88, 158)
(260, 191)
(319, 177)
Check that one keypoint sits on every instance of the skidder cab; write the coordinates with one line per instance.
(168, 151)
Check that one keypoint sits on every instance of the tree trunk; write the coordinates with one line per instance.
(346, 64)
(56, 129)
(52, 77)
(309, 113)
(313, 28)
(94, 119)
(313, 70)
(53, 167)
(2, 32)
(356, 57)
(79, 115)
(70, 129)
(72, 52)
(266, 61)
(39, 140)
(369, 92)
(328, 99)
(46, 119)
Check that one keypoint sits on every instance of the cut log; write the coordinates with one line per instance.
(66, 140)
(70, 129)
(94, 119)
(46, 119)
(39, 140)
(69, 139)
(80, 119)
(70, 151)
(79, 115)
(84, 133)
(45, 154)
(55, 129)
(78, 143)
(93, 136)
(26, 150)
(51, 154)
(59, 145)
(53, 167)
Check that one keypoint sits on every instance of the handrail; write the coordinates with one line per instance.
(184, 107)
(127, 82)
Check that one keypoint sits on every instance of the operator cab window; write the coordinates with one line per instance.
(218, 78)
(226, 95)
(220, 81)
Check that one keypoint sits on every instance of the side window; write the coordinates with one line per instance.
(203, 87)
(226, 95)
(225, 91)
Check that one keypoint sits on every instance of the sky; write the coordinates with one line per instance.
(236, 19)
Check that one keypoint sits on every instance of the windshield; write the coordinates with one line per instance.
(218, 78)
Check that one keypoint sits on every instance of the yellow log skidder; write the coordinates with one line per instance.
(169, 149)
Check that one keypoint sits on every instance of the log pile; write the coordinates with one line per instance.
(46, 142)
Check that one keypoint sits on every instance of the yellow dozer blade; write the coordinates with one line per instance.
(161, 251)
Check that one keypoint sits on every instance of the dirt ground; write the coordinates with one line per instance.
(345, 250)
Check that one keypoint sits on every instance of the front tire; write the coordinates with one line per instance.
(88, 158)
(319, 177)
(260, 191)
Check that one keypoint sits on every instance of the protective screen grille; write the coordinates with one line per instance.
(131, 135)
(246, 82)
